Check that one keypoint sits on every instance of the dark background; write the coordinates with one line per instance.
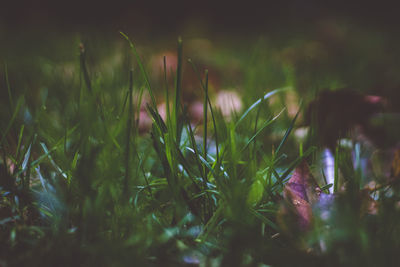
(171, 16)
(36, 31)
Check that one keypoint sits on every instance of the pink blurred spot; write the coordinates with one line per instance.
(228, 102)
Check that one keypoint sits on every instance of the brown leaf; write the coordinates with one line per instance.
(302, 184)
(296, 213)
(300, 193)
(302, 196)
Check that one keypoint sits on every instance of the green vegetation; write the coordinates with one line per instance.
(85, 183)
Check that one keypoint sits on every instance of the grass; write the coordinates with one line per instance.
(80, 185)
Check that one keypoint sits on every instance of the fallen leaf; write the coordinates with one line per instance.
(302, 184)
(300, 193)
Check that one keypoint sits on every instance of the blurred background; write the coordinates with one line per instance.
(174, 16)
(253, 45)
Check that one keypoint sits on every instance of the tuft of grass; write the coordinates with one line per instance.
(81, 185)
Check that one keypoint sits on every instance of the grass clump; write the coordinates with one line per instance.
(82, 185)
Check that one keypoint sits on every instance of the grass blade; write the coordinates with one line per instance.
(128, 136)
(288, 131)
(143, 71)
(265, 124)
(255, 104)
(13, 117)
(209, 104)
(8, 86)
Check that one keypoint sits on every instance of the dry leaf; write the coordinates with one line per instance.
(303, 196)
(300, 193)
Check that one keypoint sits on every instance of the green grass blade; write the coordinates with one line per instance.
(295, 163)
(8, 86)
(84, 70)
(205, 117)
(196, 152)
(265, 124)
(128, 137)
(143, 71)
(336, 170)
(264, 219)
(167, 103)
(288, 131)
(124, 104)
(13, 117)
(21, 133)
(210, 106)
(255, 104)
(205, 162)
(48, 154)
(177, 107)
